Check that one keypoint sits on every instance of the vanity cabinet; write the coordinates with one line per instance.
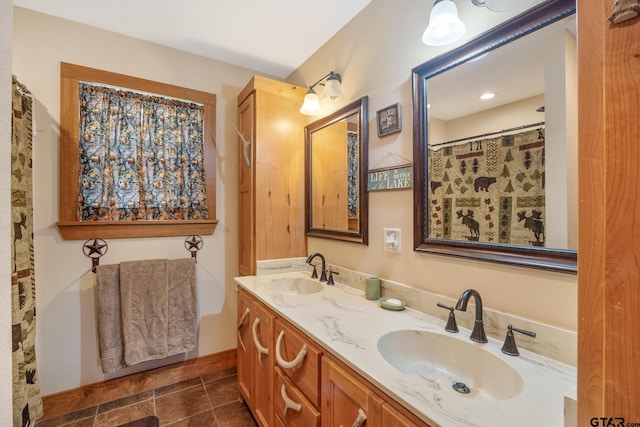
(287, 379)
(271, 172)
(255, 357)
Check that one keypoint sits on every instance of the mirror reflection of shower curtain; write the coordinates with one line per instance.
(27, 402)
(489, 190)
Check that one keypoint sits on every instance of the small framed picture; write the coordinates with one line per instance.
(389, 120)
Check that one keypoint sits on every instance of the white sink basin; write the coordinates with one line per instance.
(451, 361)
(294, 286)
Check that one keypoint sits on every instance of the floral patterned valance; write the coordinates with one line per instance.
(141, 156)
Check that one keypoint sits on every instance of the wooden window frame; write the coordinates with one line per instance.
(68, 224)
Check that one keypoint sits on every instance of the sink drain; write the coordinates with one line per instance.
(461, 388)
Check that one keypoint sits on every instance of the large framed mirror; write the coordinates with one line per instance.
(336, 204)
(496, 179)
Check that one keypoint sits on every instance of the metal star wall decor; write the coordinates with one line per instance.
(193, 244)
(95, 250)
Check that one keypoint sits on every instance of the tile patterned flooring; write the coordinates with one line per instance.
(210, 400)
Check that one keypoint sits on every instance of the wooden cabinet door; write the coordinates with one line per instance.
(245, 347)
(345, 399)
(263, 363)
(246, 208)
(279, 182)
(391, 417)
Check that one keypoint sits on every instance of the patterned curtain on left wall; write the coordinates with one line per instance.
(27, 402)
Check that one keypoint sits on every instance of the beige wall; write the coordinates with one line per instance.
(6, 406)
(66, 329)
(375, 53)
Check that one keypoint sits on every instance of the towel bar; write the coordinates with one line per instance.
(96, 248)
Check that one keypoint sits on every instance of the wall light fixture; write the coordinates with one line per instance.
(332, 91)
(445, 25)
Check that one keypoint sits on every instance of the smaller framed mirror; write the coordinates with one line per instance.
(336, 204)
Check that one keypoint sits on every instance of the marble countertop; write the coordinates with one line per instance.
(340, 319)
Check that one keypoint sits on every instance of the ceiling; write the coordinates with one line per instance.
(254, 34)
(513, 72)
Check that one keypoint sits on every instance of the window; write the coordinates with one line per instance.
(137, 157)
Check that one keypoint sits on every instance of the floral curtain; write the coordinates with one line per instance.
(141, 157)
(27, 403)
(490, 190)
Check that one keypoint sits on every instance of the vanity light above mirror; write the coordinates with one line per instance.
(445, 26)
(332, 91)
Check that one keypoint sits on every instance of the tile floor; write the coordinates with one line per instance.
(208, 401)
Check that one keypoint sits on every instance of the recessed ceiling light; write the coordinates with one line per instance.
(487, 95)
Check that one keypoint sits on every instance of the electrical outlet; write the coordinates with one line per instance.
(393, 240)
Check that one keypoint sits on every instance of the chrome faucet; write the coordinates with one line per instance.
(323, 274)
(477, 334)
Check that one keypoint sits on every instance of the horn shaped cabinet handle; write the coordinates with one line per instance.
(241, 324)
(246, 143)
(256, 341)
(288, 403)
(360, 419)
(286, 364)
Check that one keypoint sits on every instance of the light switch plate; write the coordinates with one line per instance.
(392, 240)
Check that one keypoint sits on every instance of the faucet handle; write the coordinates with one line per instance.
(451, 325)
(330, 280)
(323, 275)
(510, 346)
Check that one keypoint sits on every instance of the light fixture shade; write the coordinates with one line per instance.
(444, 24)
(501, 5)
(311, 104)
(332, 89)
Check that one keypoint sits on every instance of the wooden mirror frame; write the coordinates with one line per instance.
(521, 25)
(360, 107)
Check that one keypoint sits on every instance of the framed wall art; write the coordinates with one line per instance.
(389, 120)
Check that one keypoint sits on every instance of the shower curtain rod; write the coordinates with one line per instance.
(532, 125)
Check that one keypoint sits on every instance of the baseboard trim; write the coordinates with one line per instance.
(105, 391)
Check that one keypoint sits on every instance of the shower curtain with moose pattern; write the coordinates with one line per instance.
(489, 190)
(27, 403)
